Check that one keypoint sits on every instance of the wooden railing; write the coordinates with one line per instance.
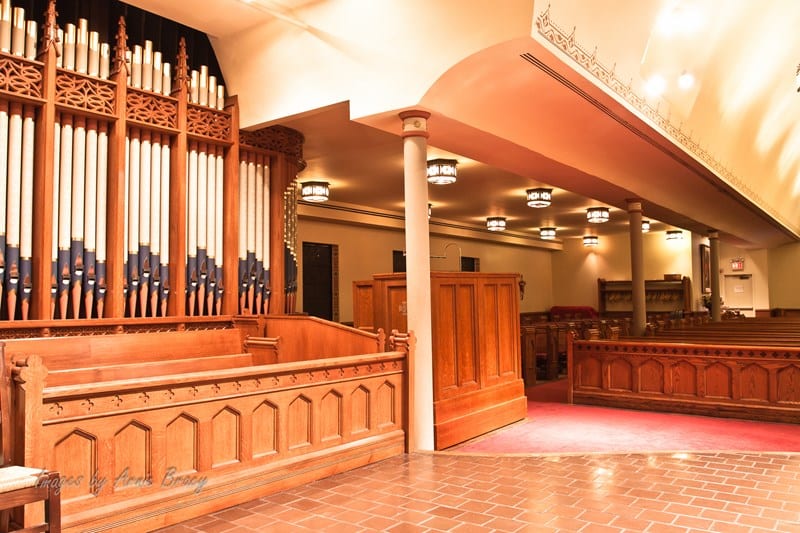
(184, 429)
(703, 377)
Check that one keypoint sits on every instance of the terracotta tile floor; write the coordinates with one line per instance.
(591, 493)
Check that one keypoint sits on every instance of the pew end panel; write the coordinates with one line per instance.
(307, 337)
(30, 497)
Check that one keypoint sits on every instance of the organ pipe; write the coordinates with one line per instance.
(155, 224)
(78, 199)
(5, 35)
(14, 197)
(77, 238)
(26, 212)
(145, 167)
(202, 229)
(102, 206)
(165, 184)
(191, 229)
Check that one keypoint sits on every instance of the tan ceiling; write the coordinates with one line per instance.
(521, 114)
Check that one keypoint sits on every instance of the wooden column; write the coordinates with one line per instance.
(43, 173)
(713, 241)
(279, 179)
(176, 305)
(114, 306)
(230, 199)
(637, 268)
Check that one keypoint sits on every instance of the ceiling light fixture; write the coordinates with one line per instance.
(547, 234)
(314, 191)
(539, 197)
(674, 235)
(442, 171)
(590, 240)
(597, 215)
(496, 223)
(645, 226)
(686, 81)
(656, 85)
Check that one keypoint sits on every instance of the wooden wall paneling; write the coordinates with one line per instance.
(364, 305)
(393, 310)
(469, 357)
(446, 367)
(620, 374)
(788, 384)
(493, 359)
(503, 359)
(468, 400)
(754, 383)
(43, 173)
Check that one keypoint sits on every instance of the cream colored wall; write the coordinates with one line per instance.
(577, 268)
(363, 251)
(566, 277)
(783, 278)
(366, 250)
(756, 264)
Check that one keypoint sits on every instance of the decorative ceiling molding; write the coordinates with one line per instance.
(567, 43)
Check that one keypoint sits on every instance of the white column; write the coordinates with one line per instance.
(713, 241)
(639, 318)
(418, 280)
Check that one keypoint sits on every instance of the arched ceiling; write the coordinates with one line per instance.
(519, 109)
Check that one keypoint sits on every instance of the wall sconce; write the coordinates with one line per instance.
(645, 226)
(547, 234)
(496, 223)
(442, 171)
(597, 215)
(314, 191)
(540, 197)
(674, 235)
(590, 240)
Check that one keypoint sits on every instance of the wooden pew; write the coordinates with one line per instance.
(150, 429)
(544, 344)
(748, 331)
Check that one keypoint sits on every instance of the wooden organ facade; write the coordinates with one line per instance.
(128, 189)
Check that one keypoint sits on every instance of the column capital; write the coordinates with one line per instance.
(713, 234)
(415, 123)
(634, 204)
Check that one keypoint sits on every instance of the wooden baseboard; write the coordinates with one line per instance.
(693, 406)
(473, 415)
(234, 486)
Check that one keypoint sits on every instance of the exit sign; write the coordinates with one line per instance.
(737, 264)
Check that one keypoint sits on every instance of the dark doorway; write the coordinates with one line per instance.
(320, 271)
(470, 264)
(398, 261)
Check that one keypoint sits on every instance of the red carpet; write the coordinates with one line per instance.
(553, 426)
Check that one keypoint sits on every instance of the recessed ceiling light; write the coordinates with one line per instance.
(686, 81)
(655, 85)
